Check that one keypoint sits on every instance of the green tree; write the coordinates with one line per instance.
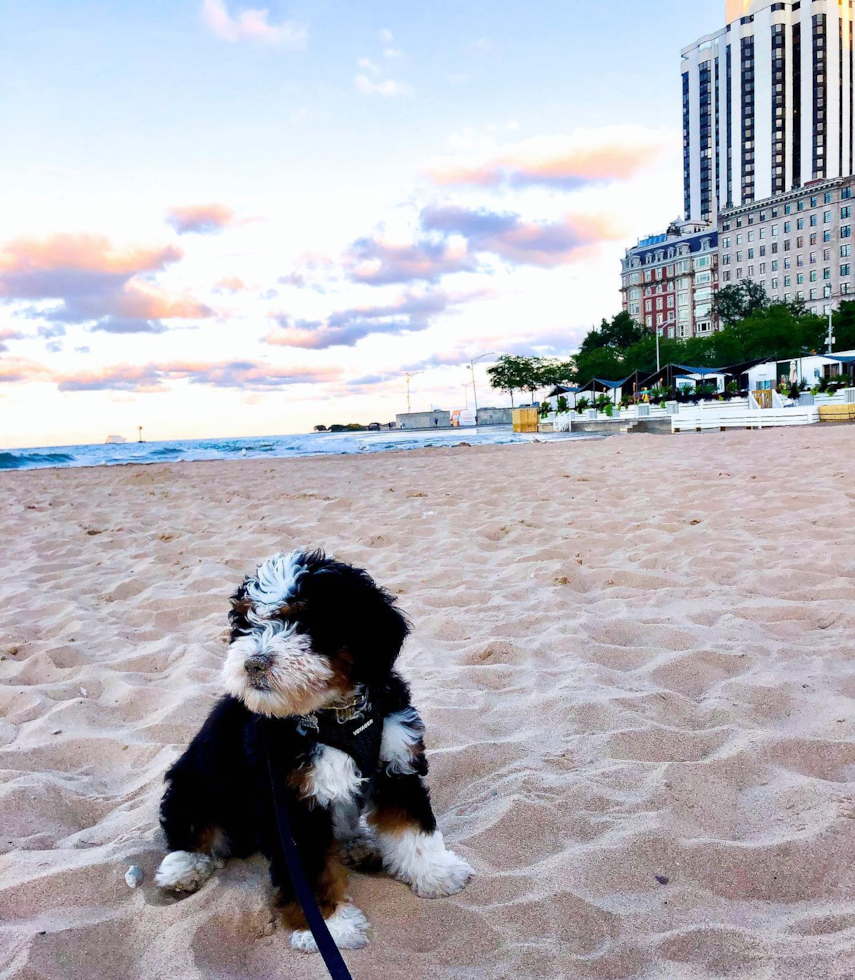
(736, 302)
(844, 326)
(508, 374)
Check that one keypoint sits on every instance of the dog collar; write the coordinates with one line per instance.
(348, 709)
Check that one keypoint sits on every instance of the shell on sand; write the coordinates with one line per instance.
(634, 658)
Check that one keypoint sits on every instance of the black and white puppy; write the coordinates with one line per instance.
(311, 657)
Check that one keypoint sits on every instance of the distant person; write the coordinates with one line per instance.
(436, 423)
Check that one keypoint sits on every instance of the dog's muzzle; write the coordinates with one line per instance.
(257, 666)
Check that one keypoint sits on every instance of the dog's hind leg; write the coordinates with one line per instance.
(412, 847)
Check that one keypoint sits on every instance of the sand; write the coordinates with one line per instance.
(634, 657)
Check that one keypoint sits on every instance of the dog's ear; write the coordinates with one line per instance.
(353, 614)
(241, 605)
(384, 630)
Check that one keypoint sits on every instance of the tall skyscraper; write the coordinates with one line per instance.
(767, 103)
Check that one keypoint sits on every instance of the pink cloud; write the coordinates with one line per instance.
(251, 24)
(247, 375)
(506, 234)
(95, 281)
(200, 219)
(230, 284)
(587, 156)
(412, 311)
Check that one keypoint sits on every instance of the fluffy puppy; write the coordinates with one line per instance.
(311, 657)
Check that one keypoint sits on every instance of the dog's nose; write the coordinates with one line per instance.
(256, 665)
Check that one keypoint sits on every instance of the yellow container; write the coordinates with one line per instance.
(837, 413)
(525, 419)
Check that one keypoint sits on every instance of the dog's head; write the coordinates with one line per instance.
(305, 630)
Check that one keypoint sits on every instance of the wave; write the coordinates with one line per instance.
(288, 446)
(21, 461)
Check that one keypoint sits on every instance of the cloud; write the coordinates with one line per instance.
(393, 53)
(230, 284)
(253, 375)
(411, 312)
(17, 369)
(252, 25)
(505, 233)
(200, 219)
(368, 65)
(82, 350)
(7, 334)
(125, 324)
(386, 36)
(247, 375)
(388, 88)
(587, 156)
(482, 44)
(377, 262)
(93, 280)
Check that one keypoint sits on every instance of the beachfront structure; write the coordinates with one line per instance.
(494, 416)
(767, 103)
(423, 420)
(811, 369)
(797, 245)
(668, 281)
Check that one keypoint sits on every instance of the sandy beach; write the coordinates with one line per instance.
(634, 658)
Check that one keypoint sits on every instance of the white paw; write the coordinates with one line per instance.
(347, 925)
(184, 871)
(424, 863)
(447, 875)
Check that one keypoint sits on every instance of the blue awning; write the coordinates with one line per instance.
(702, 371)
(841, 359)
(612, 384)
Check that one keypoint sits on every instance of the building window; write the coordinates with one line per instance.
(687, 154)
(705, 138)
(747, 53)
(845, 269)
(845, 251)
(846, 231)
(820, 96)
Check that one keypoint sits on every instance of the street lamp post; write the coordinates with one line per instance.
(409, 376)
(474, 389)
(657, 351)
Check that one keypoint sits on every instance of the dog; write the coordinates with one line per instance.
(311, 657)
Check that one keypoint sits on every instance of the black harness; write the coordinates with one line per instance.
(356, 728)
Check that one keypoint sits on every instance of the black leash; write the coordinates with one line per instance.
(326, 945)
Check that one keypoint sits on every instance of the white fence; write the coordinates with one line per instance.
(738, 413)
(695, 419)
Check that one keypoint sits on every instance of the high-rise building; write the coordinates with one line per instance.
(767, 103)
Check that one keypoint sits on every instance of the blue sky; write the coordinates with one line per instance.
(221, 221)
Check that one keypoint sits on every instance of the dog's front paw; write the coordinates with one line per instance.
(446, 874)
(184, 871)
(425, 863)
(348, 928)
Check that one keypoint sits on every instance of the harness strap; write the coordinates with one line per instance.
(326, 945)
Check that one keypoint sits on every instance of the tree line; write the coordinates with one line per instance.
(754, 328)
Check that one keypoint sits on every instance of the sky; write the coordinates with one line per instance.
(227, 220)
